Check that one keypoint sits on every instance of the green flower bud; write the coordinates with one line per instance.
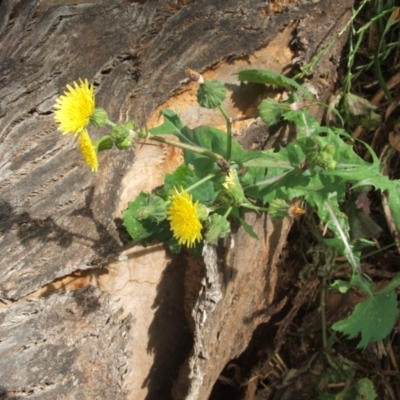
(202, 212)
(218, 227)
(330, 149)
(233, 187)
(98, 118)
(155, 209)
(104, 143)
(124, 144)
(326, 161)
(278, 209)
(122, 135)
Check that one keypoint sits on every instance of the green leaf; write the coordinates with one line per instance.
(172, 124)
(212, 139)
(211, 94)
(143, 229)
(271, 78)
(365, 390)
(306, 124)
(184, 177)
(373, 318)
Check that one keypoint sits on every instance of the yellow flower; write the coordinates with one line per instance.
(88, 150)
(184, 220)
(75, 107)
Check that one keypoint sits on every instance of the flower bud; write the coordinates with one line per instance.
(325, 158)
(104, 143)
(202, 212)
(122, 135)
(98, 118)
(279, 209)
(233, 187)
(218, 227)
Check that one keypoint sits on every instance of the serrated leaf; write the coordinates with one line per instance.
(143, 229)
(365, 390)
(211, 94)
(271, 78)
(373, 318)
(306, 124)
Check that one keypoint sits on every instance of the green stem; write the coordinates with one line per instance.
(227, 212)
(315, 60)
(228, 132)
(184, 146)
(251, 206)
(110, 123)
(198, 183)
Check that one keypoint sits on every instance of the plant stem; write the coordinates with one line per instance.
(200, 182)
(110, 123)
(228, 132)
(184, 146)
(228, 211)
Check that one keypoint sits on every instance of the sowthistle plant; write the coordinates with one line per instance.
(219, 180)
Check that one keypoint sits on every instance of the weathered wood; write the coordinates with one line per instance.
(71, 345)
(56, 217)
(55, 214)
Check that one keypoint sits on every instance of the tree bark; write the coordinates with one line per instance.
(58, 219)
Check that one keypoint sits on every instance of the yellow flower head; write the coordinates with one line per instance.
(75, 107)
(88, 150)
(184, 220)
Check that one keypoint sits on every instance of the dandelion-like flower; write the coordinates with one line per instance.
(75, 107)
(88, 150)
(184, 219)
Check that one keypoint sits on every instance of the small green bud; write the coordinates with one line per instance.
(155, 209)
(124, 144)
(122, 135)
(326, 161)
(233, 187)
(278, 209)
(202, 212)
(104, 143)
(98, 118)
(218, 227)
(330, 149)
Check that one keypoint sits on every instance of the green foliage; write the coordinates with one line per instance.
(363, 389)
(140, 226)
(373, 318)
(271, 78)
(271, 111)
(211, 94)
(319, 167)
